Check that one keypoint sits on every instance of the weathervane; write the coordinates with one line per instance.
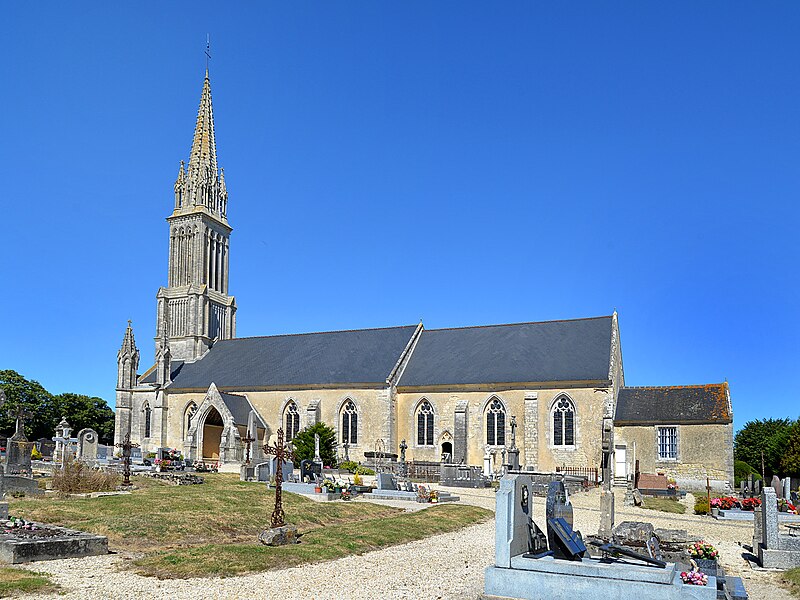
(208, 50)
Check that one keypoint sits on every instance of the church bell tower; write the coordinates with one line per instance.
(195, 308)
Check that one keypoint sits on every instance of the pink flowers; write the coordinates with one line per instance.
(702, 550)
(694, 578)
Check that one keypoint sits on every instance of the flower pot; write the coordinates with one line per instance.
(715, 511)
(318, 490)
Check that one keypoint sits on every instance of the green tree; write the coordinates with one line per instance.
(85, 411)
(46, 409)
(304, 443)
(767, 436)
(790, 460)
(29, 394)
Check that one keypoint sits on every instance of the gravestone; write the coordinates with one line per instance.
(775, 551)
(18, 449)
(310, 471)
(519, 573)
(386, 481)
(751, 485)
(769, 516)
(787, 488)
(87, 444)
(757, 488)
(557, 504)
(262, 471)
(287, 468)
(777, 486)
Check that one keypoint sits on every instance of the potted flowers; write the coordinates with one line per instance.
(750, 503)
(694, 578)
(715, 505)
(704, 555)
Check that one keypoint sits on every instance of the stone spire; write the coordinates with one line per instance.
(200, 185)
(195, 308)
(127, 361)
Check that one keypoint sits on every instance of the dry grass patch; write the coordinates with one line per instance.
(19, 581)
(210, 529)
(77, 478)
(792, 580)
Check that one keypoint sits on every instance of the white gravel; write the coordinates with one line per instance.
(448, 566)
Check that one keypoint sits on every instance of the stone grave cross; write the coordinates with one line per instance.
(281, 453)
(317, 457)
(403, 463)
(126, 446)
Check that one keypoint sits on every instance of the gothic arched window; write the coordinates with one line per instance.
(563, 422)
(349, 423)
(147, 415)
(188, 416)
(425, 424)
(292, 420)
(495, 423)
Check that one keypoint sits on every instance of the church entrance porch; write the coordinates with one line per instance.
(447, 452)
(212, 435)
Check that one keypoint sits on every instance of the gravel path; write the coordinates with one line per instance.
(448, 566)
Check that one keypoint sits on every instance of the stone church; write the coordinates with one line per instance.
(449, 393)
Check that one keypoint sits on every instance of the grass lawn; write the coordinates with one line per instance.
(664, 505)
(792, 580)
(16, 581)
(212, 529)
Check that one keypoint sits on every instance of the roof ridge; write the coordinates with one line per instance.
(521, 323)
(670, 387)
(256, 337)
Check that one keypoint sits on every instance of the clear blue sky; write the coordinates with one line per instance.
(464, 163)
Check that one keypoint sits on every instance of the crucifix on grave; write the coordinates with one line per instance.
(126, 446)
(513, 451)
(247, 440)
(281, 453)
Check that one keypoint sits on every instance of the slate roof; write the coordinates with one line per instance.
(336, 357)
(240, 408)
(573, 350)
(674, 404)
(150, 376)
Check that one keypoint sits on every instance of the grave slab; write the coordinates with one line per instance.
(49, 543)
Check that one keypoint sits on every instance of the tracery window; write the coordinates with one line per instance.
(495, 423)
(425, 424)
(292, 420)
(147, 415)
(349, 423)
(563, 422)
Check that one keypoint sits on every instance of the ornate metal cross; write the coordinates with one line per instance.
(126, 458)
(280, 452)
(247, 441)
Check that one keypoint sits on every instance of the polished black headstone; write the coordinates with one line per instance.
(564, 541)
